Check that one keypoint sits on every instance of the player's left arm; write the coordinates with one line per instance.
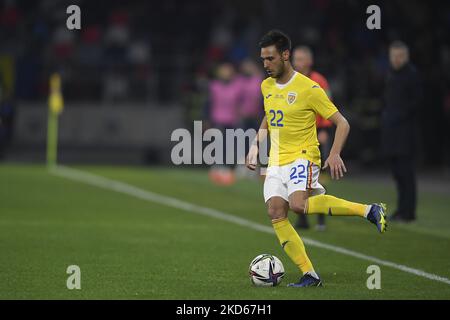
(334, 160)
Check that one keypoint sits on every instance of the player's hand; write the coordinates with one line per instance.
(336, 164)
(252, 157)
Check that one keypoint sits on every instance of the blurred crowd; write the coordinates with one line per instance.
(171, 51)
(354, 59)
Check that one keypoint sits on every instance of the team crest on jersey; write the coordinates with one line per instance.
(291, 97)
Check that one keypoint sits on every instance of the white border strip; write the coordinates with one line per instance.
(121, 187)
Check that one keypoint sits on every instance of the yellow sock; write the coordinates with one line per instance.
(335, 207)
(292, 244)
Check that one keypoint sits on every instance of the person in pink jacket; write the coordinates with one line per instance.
(251, 110)
(223, 112)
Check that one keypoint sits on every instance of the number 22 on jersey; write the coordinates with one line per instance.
(276, 118)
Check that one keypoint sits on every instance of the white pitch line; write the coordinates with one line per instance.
(121, 187)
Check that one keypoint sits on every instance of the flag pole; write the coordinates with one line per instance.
(55, 106)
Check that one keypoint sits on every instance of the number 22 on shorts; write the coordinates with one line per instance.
(298, 172)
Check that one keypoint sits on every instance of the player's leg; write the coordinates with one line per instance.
(330, 205)
(275, 195)
(289, 239)
(323, 204)
(295, 179)
(333, 206)
(310, 278)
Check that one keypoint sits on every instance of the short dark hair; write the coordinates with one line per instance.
(277, 38)
(397, 44)
(304, 49)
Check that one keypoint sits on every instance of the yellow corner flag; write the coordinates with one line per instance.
(55, 107)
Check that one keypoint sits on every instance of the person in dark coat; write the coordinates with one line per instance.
(403, 95)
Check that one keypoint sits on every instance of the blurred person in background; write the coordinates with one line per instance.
(403, 95)
(250, 111)
(303, 61)
(222, 110)
(116, 86)
(251, 99)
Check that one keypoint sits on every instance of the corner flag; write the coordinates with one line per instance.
(55, 107)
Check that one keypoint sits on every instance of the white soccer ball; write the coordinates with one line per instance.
(266, 270)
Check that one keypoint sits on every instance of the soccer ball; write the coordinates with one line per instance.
(266, 270)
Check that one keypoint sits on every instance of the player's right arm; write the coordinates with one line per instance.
(252, 158)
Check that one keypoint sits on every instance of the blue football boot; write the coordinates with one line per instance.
(377, 215)
(307, 281)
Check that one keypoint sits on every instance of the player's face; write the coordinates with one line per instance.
(273, 61)
(302, 61)
(398, 57)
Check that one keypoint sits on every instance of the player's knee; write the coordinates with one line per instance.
(277, 213)
(298, 207)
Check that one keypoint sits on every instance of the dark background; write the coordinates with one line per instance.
(150, 58)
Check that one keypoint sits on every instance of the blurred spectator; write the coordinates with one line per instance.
(251, 100)
(221, 40)
(63, 43)
(139, 56)
(224, 97)
(194, 34)
(403, 94)
(117, 37)
(10, 18)
(222, 110)
(303, 61)
(251, 105)
(90, 50)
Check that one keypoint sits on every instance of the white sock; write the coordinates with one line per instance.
(313, 274)
(368, 207)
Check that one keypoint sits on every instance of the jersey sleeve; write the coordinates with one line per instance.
(263, 88)
(322, 81)
(320, 103)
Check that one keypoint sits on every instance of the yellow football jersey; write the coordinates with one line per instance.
(291, 110)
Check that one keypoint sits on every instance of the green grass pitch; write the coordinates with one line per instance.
(129, 248)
